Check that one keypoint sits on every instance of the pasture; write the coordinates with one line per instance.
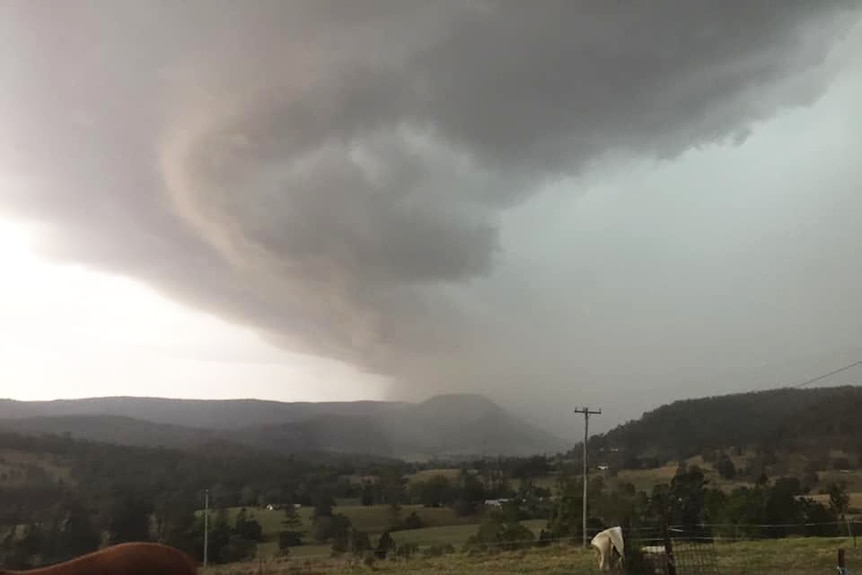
(855, 502)
(17, 467)
(810, 556)
(369, 518)
(451, 474)
(441, 527)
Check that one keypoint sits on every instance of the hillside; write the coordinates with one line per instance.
(464, 424)
(452, 425)
(200, 413)
(783, 419)
(114, 429)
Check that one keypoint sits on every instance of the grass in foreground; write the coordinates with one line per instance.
(809, 556)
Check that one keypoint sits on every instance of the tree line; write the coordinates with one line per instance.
(109, 494)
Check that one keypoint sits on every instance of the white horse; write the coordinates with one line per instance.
(611, 548)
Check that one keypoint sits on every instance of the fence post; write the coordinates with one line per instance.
(668, 545)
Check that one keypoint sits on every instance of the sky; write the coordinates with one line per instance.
(323, 200)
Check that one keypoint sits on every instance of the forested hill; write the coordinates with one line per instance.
(781, 419)
(454, 426)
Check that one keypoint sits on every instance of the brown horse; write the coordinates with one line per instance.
(122, 559)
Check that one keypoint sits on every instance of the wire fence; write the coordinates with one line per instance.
(648, 550)
(849, 561)
(701, 550)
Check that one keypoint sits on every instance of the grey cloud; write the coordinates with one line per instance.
(332, 172)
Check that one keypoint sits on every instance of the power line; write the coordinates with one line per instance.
(830, 374)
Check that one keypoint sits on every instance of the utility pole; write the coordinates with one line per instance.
(206, 523)
(587, 412)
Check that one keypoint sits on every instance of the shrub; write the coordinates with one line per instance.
(497, 536)
(406, 550)
(438, 550)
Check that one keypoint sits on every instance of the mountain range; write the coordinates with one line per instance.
(457, 425)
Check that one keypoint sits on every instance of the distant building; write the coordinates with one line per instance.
(277, 507)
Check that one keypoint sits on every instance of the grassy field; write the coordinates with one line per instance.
(853, 479)
(371, 519)
(424, 475)
(855, 502)
(14, 464)
(455, 535)
(442, 526)
(811, 556)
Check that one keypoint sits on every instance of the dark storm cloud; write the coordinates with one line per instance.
(328, 171)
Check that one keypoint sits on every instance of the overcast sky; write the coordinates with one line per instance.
(551, 202)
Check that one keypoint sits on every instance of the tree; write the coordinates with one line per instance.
(291, 533)
(395, 516)
(412, 521)
(725, 468)
(367, 495)
(219, 536)
(238, 548)
(247, 527)
(839, 500)
(72, 534)
(809, 480)
(782, 508)
(531, 467)
(384, 545)
(392, 485)
(501, 534)
(472, 493)
(340, 542)
(18, 552)
(176, 523)
(249, 495)
(227, 543)
(436, 491)
(360, 543)
(820, 520)
(688, 493)
(323, 504)
(130, 519)
(331, 528)
(566, 518)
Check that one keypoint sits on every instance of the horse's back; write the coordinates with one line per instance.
(145, 559)
(135, 558)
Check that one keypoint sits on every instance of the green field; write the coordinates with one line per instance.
(14, 466)
(855, 502)
(455, 535)
(442, 526)
(426, 474)
(371, 519)
(811, 556)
